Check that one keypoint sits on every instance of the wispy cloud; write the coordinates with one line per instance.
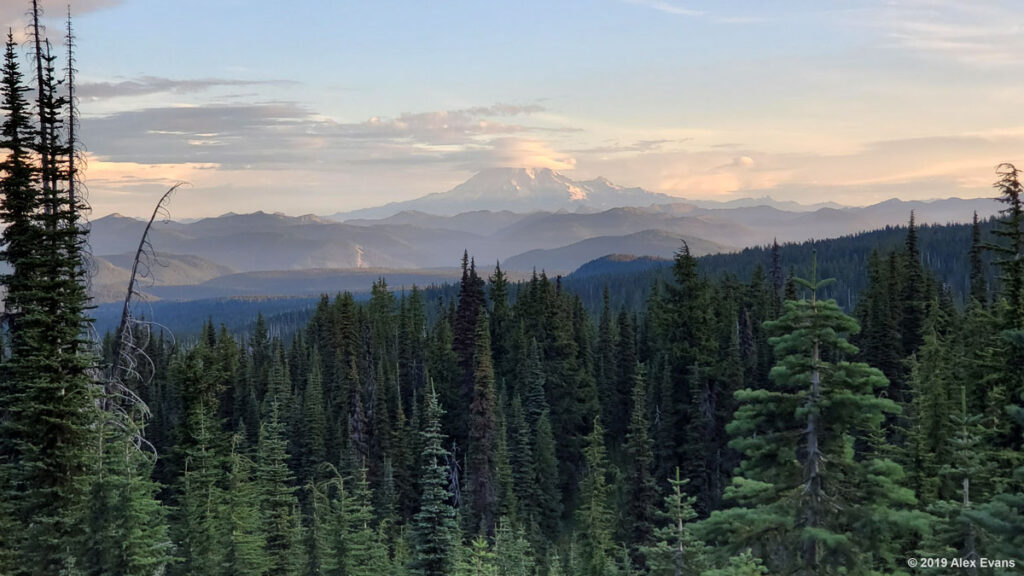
(979, 33)
(282, 135)
(668, 7)
(147, 85)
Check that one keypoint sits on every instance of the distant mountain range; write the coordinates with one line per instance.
(526, 218)
(519, 190)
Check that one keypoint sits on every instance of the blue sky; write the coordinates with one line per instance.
(325, 106)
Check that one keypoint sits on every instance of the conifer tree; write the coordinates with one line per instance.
(799, 463)
(549, 499)
(593, 515)
(523, 463)
(476, 560)
(311, 428)
(126, 531)
(512, 551)
(744, 564)
(19, 201)
(640, 498)
(483, 489)
(1009, 249)
(245, 555)
(362, 541)
(49, 415)
(200, 522)
(434, 528)
(912, 299)
(978, 283)
(676, 550)
(278, 503)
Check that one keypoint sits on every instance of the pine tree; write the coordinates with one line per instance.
(800, 464)
(434, 528)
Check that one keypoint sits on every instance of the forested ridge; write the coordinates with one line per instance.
(724, 427)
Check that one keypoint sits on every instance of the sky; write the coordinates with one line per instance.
(327, 106)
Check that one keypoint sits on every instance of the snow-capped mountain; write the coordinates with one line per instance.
(520, 190)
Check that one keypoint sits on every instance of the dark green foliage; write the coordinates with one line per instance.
(481, 460)
(799, 463)
(675, 549)
(1009, 249)
(594, 515)
(278, 503)
(640, 493)
(434, 529)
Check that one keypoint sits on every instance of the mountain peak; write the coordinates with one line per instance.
(522, 190)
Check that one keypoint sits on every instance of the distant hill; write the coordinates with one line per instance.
(656, 243)
(110, 280)
(619, 264)
(304, 282)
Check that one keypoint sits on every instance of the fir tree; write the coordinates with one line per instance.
(978, 283)
(278, 503)
(799, 463)
(434, 529)
(1010, 249)
(549, 498)
(483, 489)
(245, 555)
(593, 515)
(676, 550)
(640, 498)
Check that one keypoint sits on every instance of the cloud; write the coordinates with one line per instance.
(14, 14)
(270, 135)
(980, 33)
(667, 7)
(147, 85)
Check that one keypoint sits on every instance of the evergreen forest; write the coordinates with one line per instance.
(719, 428)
